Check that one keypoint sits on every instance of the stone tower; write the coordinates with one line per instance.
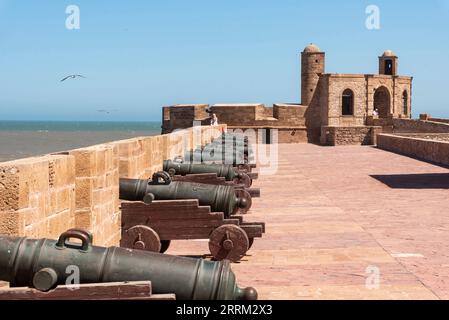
(312, 65)
(388, 63)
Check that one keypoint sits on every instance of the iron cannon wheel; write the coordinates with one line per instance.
(142, 238)
(228, 242)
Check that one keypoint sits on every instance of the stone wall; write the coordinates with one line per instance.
(289, 114)
(401, 85)
(44, 196)
(292, 136)
(338, 83)
(364, 88)
(288, 118)
(96, 192)
(417, 126)
(37, 196)
(337, 136)
(427, 136)
(430, 150)
(439, 120)
(185, 115)
(140, 157)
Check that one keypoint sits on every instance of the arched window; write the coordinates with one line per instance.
(347, 108)
(405, 101)
(389, 67)
(382, 102)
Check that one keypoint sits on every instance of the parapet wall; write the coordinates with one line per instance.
(419, 126)
(41, 197)
(439, 120)
(432, 148)
(37, 196)
(288, 119)
(339, 136)
(96, 192)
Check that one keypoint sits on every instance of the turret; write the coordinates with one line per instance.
(388, 63)
(312, 65)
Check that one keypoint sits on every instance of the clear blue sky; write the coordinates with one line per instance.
(140, 55)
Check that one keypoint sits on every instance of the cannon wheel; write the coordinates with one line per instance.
(141, 238)
(251, 242)
(228, 242)
(244, 168)
(165, 244)
(245, 180)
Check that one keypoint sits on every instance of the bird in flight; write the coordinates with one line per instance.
(73, 76)
(107, 111)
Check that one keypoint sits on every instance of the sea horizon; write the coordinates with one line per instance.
(27, 138)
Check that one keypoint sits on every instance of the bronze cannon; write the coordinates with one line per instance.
(216, 153)
(229, 148)
(228, 172)
(44, 264)
(221, 198)
(240, 142)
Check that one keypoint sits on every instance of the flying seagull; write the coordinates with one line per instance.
(107, 111)
(73, 76)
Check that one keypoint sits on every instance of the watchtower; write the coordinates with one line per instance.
(388, 63)
(312, 66)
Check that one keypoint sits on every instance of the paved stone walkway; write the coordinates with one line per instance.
(335, 214)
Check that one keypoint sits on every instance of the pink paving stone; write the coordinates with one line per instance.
(331, 212)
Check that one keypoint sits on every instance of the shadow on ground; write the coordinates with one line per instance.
(415, 181)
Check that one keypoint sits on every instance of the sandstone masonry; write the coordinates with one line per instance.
(335, 108)
(47, 195)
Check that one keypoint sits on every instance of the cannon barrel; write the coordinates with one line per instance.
(221, 198)
(217, 153)
(228, 145)
(44, 264)
(222, 170)
(238, 144)
(233, 139)
(233, 149)
(235, 136)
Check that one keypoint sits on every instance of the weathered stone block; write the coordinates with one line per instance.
(84, 162)
(84, 192)
(12, 223)
(12, 195)
(100, 161)
(83, 219)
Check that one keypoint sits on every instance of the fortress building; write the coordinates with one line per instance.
(335, 108)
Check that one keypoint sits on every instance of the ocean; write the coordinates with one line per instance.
(21, 139)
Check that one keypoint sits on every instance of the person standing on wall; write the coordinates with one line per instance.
(213, 120)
